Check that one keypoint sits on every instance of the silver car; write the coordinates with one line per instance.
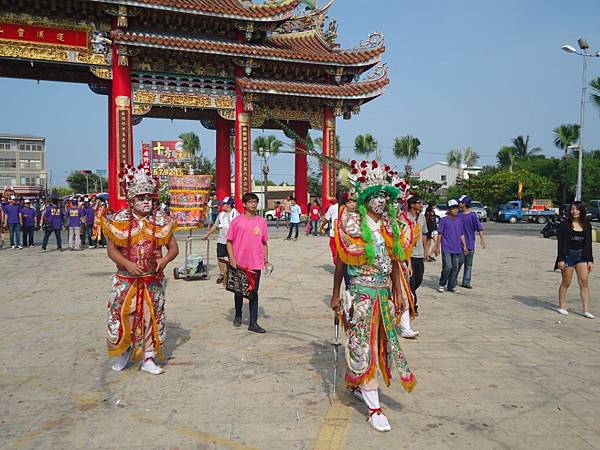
(479, 209)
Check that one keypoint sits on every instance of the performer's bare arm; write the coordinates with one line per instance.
(232, 261)
(340, 269)
(172, 252)
(119, 259)
(397, 285)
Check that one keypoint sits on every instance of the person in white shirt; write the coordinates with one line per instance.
(295, 212)
(331, 216)
(222, 223)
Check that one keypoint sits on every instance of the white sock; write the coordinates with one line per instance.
(371, 398)
(405, 321)
(148, 355)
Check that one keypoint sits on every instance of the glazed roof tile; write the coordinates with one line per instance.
(303, 47)
(233, 9)
(347, 91)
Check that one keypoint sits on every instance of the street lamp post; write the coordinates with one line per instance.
(584, 46)
(265, 169)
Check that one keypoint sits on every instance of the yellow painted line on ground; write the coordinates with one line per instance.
(332, 434)
(200, 436)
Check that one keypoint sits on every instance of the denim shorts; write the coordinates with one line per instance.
(574, 257)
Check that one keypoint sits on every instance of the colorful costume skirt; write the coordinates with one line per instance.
(372, 338)
(136, 315)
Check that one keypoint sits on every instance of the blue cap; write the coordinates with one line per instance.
(466, 200)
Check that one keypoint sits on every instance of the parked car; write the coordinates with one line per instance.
(514, 211)
(593, 209)
(479, 209)
(270, 214)
(441, 210)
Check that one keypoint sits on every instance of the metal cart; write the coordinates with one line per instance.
(187, 272)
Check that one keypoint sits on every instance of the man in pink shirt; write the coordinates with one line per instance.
(247, 248)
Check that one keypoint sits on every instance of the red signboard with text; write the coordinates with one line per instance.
(18, 32)
(168, 151)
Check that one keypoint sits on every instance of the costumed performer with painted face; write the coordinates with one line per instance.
(136, 235)
(369, 245)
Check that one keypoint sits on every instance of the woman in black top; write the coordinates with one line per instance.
(575, 255)
(431, 221)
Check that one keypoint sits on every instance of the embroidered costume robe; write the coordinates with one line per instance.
(136, 309)
(370, 311)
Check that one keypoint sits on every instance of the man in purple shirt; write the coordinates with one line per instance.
(28, 217)
(471, 224)
(12, 218)
(74, 215)
(452, 240)
(53, 221)
(87, 223)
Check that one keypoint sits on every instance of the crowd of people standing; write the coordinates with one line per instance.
(79, 215)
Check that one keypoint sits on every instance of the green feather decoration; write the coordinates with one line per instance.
(367, 235)
(397, 248)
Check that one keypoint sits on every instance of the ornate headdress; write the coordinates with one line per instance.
(135, 181)
(370, 177)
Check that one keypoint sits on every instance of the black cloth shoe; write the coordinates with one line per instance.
(256, 328)
(466, 286)
(237, 322)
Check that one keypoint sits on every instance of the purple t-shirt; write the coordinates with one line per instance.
(28, 214)
(54, 217)
(75, 214)
(471, 225)
(89, 215)
(451, 231)
(12, 213)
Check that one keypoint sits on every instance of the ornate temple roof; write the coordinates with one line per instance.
(368, 89)
(231, 9)
(304, 47)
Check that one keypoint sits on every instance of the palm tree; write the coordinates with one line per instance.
(565, 135)
(470, 157)
(268, 144)
(407, 147)
(506, 158)
(191, 144)
(595, 96)
(365, 144)
(522, 150)
(318, 143)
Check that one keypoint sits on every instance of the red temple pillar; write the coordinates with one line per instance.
(301, 166)
(120, 149)
(243, 158)
(329, 172)
(223, 159)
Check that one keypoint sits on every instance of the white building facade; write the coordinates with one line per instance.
(22, 160)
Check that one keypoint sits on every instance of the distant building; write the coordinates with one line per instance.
(442, 173)
(23, 163)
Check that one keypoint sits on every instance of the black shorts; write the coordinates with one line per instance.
(222, 251)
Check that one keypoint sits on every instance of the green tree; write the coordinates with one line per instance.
(407, 147)
(267, 143)
(595, 95)
(494, 187)
(82, 183)
(566, 135)
(365, 144)
(470, 157)
(521, 147)
(191, 144)
(425, 189)
(506, 158)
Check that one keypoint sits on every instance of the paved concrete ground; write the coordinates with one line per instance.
(496, 366)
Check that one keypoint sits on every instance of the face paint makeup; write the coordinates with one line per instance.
(377, 203)
(142, 204)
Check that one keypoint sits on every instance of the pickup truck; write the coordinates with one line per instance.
(513, 212)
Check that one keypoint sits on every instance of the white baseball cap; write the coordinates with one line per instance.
(12, 197)
(27, 200)
(452, 202)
